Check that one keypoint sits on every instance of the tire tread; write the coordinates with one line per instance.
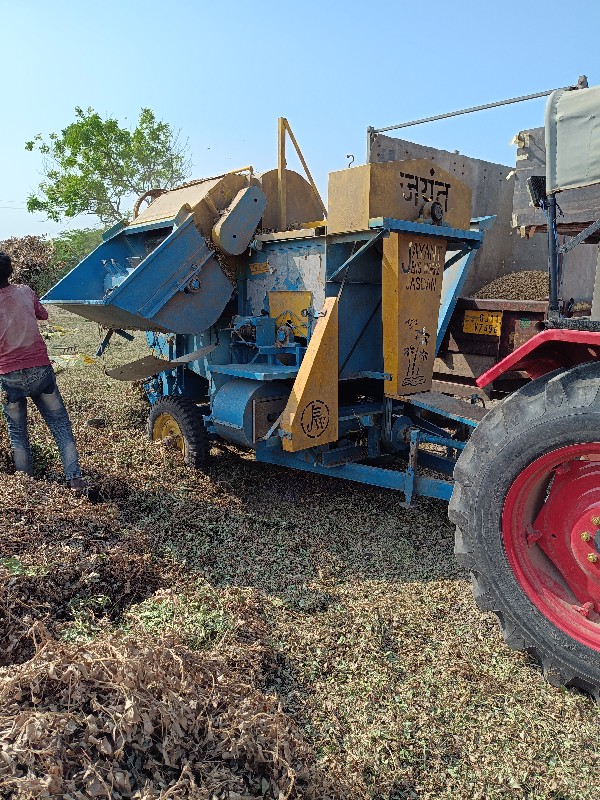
(189, 418)
(556, 395)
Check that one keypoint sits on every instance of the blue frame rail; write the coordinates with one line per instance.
(406, 481)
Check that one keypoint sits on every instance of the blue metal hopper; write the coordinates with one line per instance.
(158, 277)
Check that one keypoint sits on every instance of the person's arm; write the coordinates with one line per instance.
(40, 311)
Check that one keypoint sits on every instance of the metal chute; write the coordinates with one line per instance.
(173, 268)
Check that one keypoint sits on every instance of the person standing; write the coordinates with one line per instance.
(26, 371)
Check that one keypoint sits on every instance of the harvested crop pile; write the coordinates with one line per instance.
(74, 596)
(31, 259)
(526, 285)
(140, 718)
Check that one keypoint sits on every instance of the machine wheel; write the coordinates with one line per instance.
(179, 419)
(526, 504)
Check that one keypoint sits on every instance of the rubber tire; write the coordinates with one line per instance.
(559, 409)
(189, 418)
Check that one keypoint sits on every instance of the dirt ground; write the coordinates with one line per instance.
(250, 631)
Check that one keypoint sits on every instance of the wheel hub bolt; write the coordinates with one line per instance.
(596, 521)
(592, 557)
(586, 609)
(586, 537)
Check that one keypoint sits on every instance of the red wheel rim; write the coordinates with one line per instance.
(551, 535)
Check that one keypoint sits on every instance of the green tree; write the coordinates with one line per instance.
(95, 166)
(71, 247)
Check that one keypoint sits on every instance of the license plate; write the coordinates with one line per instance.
(487, 323)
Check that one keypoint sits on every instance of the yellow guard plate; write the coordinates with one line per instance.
(287, 306)
(488, 323)
(411, 286)
(311, 414)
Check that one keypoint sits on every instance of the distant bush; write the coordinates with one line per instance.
(40, 262)
(32, 259)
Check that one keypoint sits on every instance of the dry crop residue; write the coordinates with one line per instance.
(331, 626)
(145, 718)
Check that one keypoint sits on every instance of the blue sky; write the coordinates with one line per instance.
(223, 73)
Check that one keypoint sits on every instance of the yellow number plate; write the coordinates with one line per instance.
(487, 323)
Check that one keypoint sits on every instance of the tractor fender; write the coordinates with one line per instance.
(554, 348)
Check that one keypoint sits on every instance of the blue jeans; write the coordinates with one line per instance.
(38, 383)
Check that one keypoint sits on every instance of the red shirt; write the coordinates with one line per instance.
(21, 344)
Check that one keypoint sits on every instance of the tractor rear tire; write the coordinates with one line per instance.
(180, 420)
(526, 504)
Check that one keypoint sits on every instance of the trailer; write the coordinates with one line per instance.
(310, 335)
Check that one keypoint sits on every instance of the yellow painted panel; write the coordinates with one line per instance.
(412, 271)
(287, 306)
(311, 414)
(348, 199)
(397, 189)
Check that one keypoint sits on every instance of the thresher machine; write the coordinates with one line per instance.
(309, 334)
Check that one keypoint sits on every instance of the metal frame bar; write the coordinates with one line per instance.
(552, 256)
(102, 347)
(350, 238)
(379, 235)
(581, 237)
(360, 473)
(281, 175)
(456, 257)
(148, 226)
(455, 278)
(470, 110)
(282, 126)
(451, 288)
(452, 235)
(342, 462)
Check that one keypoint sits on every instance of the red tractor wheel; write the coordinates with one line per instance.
(527, 508)
(557, 562)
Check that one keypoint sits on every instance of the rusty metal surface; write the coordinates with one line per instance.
(266, 411)
(521, 320)
(139, 369)
(462, 365)
(302, 204)
(466, 390)
(473, 303)
(517, 328)
(168, 204)
(459, 342)
(205, 199)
